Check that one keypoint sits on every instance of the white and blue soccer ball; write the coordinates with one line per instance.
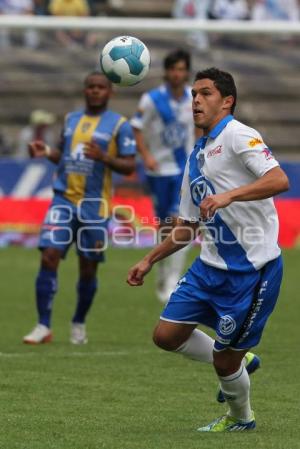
(125, 60)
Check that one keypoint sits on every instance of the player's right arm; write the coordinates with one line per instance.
(139, 122)
(180, 236)
(38, 149)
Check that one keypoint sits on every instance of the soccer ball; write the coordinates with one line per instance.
(125, 60)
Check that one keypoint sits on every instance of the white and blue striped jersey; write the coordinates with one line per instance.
(167, 124)
(243, 236)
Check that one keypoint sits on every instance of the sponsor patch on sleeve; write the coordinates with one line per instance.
(268, 154)
(254, 142)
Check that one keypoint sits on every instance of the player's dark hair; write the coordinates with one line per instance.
(176, 56)
(96, 73)
(223, 81)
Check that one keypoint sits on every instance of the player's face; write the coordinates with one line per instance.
(177, 75)
(97, 91)
(209, 107)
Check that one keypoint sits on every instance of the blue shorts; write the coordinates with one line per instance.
(236, 305)
(65, 224)
(165, 191)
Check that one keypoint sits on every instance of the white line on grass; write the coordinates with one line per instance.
(76, 354)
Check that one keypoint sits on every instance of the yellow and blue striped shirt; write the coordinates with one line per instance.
(80, 178)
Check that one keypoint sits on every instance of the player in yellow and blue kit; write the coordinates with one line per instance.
(95, 141)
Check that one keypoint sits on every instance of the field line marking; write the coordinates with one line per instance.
(76, 354)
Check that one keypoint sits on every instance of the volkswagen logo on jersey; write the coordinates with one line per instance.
(174, 135)
(200, 189)
(227, 325)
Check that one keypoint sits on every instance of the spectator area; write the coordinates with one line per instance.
(266, 71)
(44, 70)
(139, 8)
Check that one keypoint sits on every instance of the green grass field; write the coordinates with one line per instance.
(119, 391)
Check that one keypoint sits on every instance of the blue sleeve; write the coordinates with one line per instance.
(125, 140)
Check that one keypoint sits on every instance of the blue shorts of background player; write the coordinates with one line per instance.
(66, 224)
(165, 191)
(236, 305)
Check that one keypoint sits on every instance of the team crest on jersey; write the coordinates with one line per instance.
(254, 142)
(227, 325)
(200, 160)
(85, 127)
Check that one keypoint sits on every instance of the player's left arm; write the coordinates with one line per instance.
(249, 147)
(124, 162)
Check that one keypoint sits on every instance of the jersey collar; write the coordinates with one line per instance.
(220, 126)
(201, 142)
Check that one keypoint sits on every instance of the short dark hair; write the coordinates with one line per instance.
(176, 56)
(96, 73)
(223, 81)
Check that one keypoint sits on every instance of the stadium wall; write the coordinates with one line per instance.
(251, 27)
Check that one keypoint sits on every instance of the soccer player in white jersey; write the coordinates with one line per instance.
(165, 134)
(229, 181)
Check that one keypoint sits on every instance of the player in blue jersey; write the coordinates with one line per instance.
(165, 134)
(95, 142)
(228, 185)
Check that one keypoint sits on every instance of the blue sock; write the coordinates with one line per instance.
(85, 294)
(46, 287)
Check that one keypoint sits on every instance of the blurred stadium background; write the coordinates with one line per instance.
(42, 68)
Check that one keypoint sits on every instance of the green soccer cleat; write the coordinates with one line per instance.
(252, 364)
(229, 424)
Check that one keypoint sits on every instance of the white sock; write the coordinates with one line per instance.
(177, 261)
(236, 389)
(199, 346)
(176, 266)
